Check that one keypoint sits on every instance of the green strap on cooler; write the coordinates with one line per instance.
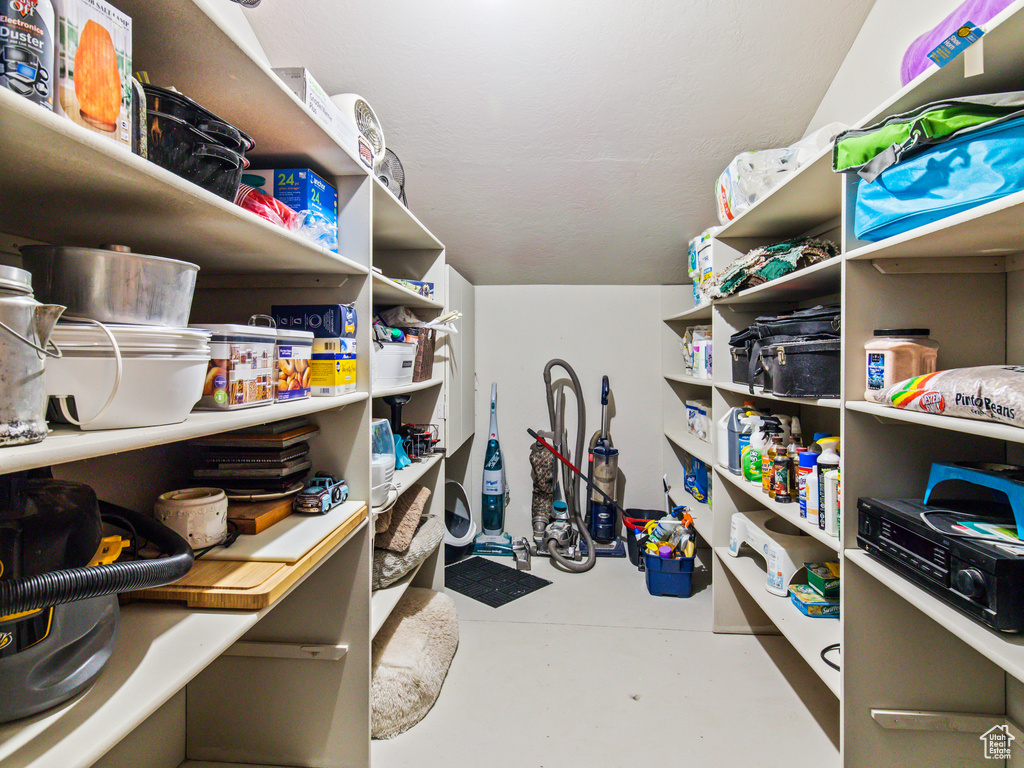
(870, 151)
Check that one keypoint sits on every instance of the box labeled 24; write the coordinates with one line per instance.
(298, 188)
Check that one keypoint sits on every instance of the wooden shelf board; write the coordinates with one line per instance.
(692, 444)
(820, 279)
(788, 512)
(952, 423)
(159, 649)
(807, 635)
(1005, 650)
(383, 601)
(247, 93)
(46, 157)
(395, 227)
(806, 199)
(389, 293)
(992, 229)
(405, 388)
(826, 402)
(703, 312)
(691, 380)
(65, 444)
(408, 477)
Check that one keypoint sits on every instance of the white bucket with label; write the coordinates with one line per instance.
(393, 364)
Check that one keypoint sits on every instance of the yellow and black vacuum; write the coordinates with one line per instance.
(60, 575)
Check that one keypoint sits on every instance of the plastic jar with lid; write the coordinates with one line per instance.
(896, 354)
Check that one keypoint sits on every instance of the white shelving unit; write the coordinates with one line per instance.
(686, 379)
(66, 185)
(405, 389)
(904, 650)
(384, 600)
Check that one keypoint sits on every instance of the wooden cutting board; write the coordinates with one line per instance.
(246, 585)
(252, 517)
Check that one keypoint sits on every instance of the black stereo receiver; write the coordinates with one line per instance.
(953, 550)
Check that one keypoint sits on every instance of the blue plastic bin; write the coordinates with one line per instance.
(670, 578)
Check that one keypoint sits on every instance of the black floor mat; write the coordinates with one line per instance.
(489, 582)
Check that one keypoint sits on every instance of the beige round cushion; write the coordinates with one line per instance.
(411, 656)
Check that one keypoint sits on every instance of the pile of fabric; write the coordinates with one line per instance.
(770, 263)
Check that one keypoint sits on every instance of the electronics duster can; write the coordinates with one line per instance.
(26, 49)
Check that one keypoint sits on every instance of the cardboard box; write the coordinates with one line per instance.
(332, 375)
(334, 346)
(426, 290)
(324, 321)
(309, 92)
(94, 67)
(823, 578)
(300, 189)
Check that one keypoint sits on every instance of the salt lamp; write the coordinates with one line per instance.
(97, 79)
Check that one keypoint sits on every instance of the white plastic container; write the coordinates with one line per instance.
(161, 375)
(393, 364)
(242, 369)
(294, 352)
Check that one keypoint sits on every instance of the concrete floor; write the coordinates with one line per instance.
(593, 671)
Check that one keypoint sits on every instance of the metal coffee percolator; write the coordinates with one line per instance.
(25, 327)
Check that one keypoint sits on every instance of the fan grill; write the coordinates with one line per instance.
(392, 174)
(366, 122)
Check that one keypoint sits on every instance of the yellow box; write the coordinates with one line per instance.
(332, 375)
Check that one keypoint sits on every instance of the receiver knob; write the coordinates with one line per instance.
(970, 582)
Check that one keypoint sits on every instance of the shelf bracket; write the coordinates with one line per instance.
(955, 264)
(942, 722)
(287, 651)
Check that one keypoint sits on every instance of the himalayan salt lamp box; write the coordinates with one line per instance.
(94, 67)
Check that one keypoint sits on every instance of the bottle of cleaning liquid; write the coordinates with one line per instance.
(783, 469)
(786, 423)
(666, 525)
(776, 451)
(737, 424)
(795, 433)
(770, 425)
(751, 456)
(816, 441)
(828, 460)
(808, 464)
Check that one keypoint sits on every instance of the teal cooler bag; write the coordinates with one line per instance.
(942, 181)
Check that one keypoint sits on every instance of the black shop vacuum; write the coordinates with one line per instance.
(60, 574)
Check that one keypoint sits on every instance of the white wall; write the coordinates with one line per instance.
(871, 71)
(598, 330)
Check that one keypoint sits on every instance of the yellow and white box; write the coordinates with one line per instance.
(332, 374)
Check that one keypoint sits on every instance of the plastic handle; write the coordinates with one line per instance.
(220, 130)
(270, 322)
(605, 390)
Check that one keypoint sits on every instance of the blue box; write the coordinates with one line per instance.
(324, 321)
(298, 188)
(671, 578)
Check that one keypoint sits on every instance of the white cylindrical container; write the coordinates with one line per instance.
(897, 354)
(198, 515)
(242, 368)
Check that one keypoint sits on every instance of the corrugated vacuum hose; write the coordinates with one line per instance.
(570, 481)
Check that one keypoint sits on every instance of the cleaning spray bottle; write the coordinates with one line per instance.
(827, 461)
(751, 457)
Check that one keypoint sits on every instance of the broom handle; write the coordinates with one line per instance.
(569, 464)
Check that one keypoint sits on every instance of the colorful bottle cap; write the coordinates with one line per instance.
(665, 552)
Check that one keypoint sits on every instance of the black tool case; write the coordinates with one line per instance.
(803, 368)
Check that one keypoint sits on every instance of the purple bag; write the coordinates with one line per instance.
(979, 12)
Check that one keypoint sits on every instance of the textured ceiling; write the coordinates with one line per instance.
(561, 141)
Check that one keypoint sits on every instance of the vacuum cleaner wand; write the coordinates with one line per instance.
(571, 466)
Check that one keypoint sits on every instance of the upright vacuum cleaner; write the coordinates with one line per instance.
(493, 540)
(603, 479)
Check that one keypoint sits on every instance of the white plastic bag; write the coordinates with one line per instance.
(752, 175)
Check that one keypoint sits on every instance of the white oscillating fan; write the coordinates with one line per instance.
(392, 175)
(354, 108)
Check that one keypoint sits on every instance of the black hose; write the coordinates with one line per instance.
(571, 481)
(72, 584)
